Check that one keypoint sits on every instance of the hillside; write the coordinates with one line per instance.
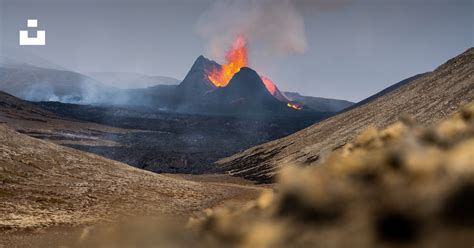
(384, 91)
(12, 107)
(428, 98)
(29, 119)
(43, 84)
(43, 184)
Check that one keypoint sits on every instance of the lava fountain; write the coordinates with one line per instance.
(236, 58)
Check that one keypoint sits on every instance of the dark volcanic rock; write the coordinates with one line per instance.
(246, 94)
(195, 85)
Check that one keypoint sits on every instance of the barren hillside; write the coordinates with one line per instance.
(26, 118)
(428, 98)
(43, 184)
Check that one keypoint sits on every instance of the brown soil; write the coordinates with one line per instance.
(49, 192)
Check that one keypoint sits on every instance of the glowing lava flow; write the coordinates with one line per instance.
(294, 106)
(271, 87)
(236, 58)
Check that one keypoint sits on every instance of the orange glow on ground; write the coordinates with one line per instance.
(294, 106)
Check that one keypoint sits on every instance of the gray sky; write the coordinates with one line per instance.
(346, 49)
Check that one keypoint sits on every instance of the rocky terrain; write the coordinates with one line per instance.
(430, 97)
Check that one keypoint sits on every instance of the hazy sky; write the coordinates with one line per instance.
(346, 49)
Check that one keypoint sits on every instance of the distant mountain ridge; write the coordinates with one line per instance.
(129, 80)
(44, 84)
(12, 56)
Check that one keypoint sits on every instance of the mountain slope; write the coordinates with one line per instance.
(428, 98)
(35, 121)
(195, 84)
(12, 107)
(385, 91)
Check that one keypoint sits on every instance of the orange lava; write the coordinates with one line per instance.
(294, 106)
(271, 87)
(236, 58)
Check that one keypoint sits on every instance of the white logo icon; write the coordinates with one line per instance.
(39, 40)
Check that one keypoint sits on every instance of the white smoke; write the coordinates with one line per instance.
(274, 25)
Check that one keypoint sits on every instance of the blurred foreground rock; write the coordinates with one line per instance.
(405, 186)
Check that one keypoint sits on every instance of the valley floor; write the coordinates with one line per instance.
(220, 190)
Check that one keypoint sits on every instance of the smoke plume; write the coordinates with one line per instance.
(274, 25)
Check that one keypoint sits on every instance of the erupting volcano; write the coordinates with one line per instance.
(236, 58)
(232, 88)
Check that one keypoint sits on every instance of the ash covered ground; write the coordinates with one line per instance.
(166, 142)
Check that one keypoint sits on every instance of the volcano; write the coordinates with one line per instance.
(246, 93)
(231, 88)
